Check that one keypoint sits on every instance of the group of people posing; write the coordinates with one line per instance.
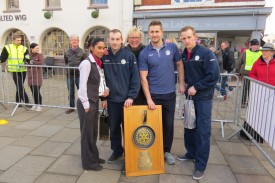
(137, 75)
(144, 75)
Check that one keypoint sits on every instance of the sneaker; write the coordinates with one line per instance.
(39, 108)
(197, 175)
(169, 159)
(184, 158)
(114, 158)
(101, 161)
(33, 108)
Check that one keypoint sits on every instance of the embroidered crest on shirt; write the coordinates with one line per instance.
(197, 57)
(123, 61)
(167, 52)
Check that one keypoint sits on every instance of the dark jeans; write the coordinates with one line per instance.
(224, 84)
(197, 141)
(71, 81)
(115, 111)
(19, 79)
(36, 94)
(168, 102)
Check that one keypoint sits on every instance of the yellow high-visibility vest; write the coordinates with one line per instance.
(251, 57)
(16, 58)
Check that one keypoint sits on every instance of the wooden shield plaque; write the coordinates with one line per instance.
(143, 141)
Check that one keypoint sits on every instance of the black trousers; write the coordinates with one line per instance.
(89, 132)
(168, 102)
(36, 94)
(19, 79)
(115, 111)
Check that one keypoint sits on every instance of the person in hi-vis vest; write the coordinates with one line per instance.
(245, 63)
(16, 55)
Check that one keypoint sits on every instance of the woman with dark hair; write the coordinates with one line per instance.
(88, 104)
(35, 75)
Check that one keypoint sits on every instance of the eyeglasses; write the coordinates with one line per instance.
(134, 38)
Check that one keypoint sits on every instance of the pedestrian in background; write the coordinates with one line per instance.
(17, 55)
(35, 75)
(88, 104)
(228, 62)
(244, 66)
(73, 56)
(201, 74)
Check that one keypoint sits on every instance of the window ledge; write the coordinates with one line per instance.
(52, 9)
(98, 6)
(12, 11)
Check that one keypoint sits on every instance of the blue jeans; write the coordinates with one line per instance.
(224, 84)
(70, 84)
(197, 141)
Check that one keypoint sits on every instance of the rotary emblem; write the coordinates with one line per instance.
(144, 137)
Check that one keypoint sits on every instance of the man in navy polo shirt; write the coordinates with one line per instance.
(156, 66)
(201, 75)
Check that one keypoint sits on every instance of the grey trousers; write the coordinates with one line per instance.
(89, 132)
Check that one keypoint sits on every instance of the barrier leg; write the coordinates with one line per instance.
(14, 109)
(3, 105)
(222, 128)
(235, 133)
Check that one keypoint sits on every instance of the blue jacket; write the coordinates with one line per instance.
(201, 71)
(121, 73)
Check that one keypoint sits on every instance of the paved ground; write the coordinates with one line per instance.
(44, 147)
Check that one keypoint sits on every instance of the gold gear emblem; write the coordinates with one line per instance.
(144, 137)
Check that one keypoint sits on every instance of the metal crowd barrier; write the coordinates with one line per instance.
(2, 89)
(54, 91)
(257, 114)
(225, 108)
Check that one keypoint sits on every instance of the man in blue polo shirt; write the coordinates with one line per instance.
(156, 66)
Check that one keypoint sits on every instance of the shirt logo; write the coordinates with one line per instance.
(123, 61)
(151, 55)
(167, 52)
(106, 60)
(197, 58)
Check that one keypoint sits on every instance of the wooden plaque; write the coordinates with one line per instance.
(143, 141)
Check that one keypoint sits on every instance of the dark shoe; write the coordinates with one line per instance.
(184, 158)
(113, 158)
(96, 168)
(101, 161)
(28, 106)
(197, 175)
(68, 111)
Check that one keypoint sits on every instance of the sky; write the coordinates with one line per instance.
(270, 21)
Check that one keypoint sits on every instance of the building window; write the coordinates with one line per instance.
(12, 4)
(24, 42)
(53, 4)
(55, 43)
(97, 32)
(99, 4)
(187, 1)
(191, 1)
